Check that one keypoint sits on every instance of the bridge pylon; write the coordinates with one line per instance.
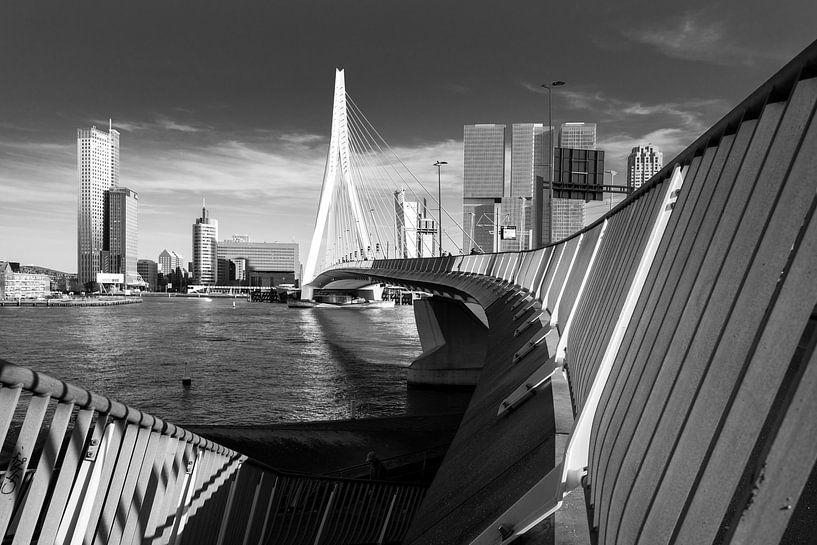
(338, 165)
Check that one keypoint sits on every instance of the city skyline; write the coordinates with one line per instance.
(242, 118)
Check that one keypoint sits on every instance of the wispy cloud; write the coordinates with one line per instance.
(672, 126)
(302, 138)
(160, 123)
(706, 35)
(693, 114)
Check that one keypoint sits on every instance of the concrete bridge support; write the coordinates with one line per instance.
(454, 344)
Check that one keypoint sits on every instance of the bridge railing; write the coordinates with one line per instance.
(685, 323)
(82, 468)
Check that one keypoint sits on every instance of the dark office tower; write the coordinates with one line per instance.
(483, 185)
(578, 176)
(149, 271)
(97, 172)
(121, 233)
(576, 166)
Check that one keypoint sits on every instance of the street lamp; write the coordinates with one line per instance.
(612, 182)
(549, 88)
(439, 164)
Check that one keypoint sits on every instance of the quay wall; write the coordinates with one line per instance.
(70, 302)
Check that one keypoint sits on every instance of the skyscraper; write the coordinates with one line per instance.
(576, 165)
(577, 135)
(205, 260)
(483, 185)
(97, 171)
(527, 157)
(642, 164)
(527, 162)
(121, 233)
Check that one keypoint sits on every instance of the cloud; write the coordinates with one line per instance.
(707, 36)
(693, 114)
(301, 138)
(671, 126)
(170, 125)
(158, 124)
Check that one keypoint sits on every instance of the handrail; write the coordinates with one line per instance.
(391, 459)
(42, 384)
(127, 476)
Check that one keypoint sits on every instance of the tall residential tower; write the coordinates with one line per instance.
(97, 172)
(642, 164)
(205, 258)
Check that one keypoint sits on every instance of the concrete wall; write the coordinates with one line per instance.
(453, 341)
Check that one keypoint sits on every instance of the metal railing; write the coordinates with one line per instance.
(82, 468)
(393, 464)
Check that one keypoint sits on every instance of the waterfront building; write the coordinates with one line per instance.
(415, 229)
(528, 161)
(205, 237)
(577, 135)
(240, 264)
(16, 284)
(149, 271)
(642, 164)
(226, 272)
(251, 259)
(483, 185)
(528, 144)
(578, 175)
(97, 172)
(516, 219)
(426, 235)
(406, 215)
(169, 260)
(577, 166)
(121, 234)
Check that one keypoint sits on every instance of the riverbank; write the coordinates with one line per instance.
(87, 302)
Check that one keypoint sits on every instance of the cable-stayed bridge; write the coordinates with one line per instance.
(649, 380)
(371, 205)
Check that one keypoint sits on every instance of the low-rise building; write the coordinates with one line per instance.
(149, 271)
(19, 285)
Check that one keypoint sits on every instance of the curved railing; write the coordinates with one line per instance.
(82, 468)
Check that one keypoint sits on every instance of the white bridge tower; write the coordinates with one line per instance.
(337, 165)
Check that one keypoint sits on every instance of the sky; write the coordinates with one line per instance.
(231, 101)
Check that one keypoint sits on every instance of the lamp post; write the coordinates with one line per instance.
(549, 88)
(612, 182)
(439, 164)
(522, 227)
(473, 221)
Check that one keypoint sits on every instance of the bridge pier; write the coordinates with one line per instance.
(453, 339)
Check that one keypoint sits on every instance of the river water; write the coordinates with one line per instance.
(255, 363)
